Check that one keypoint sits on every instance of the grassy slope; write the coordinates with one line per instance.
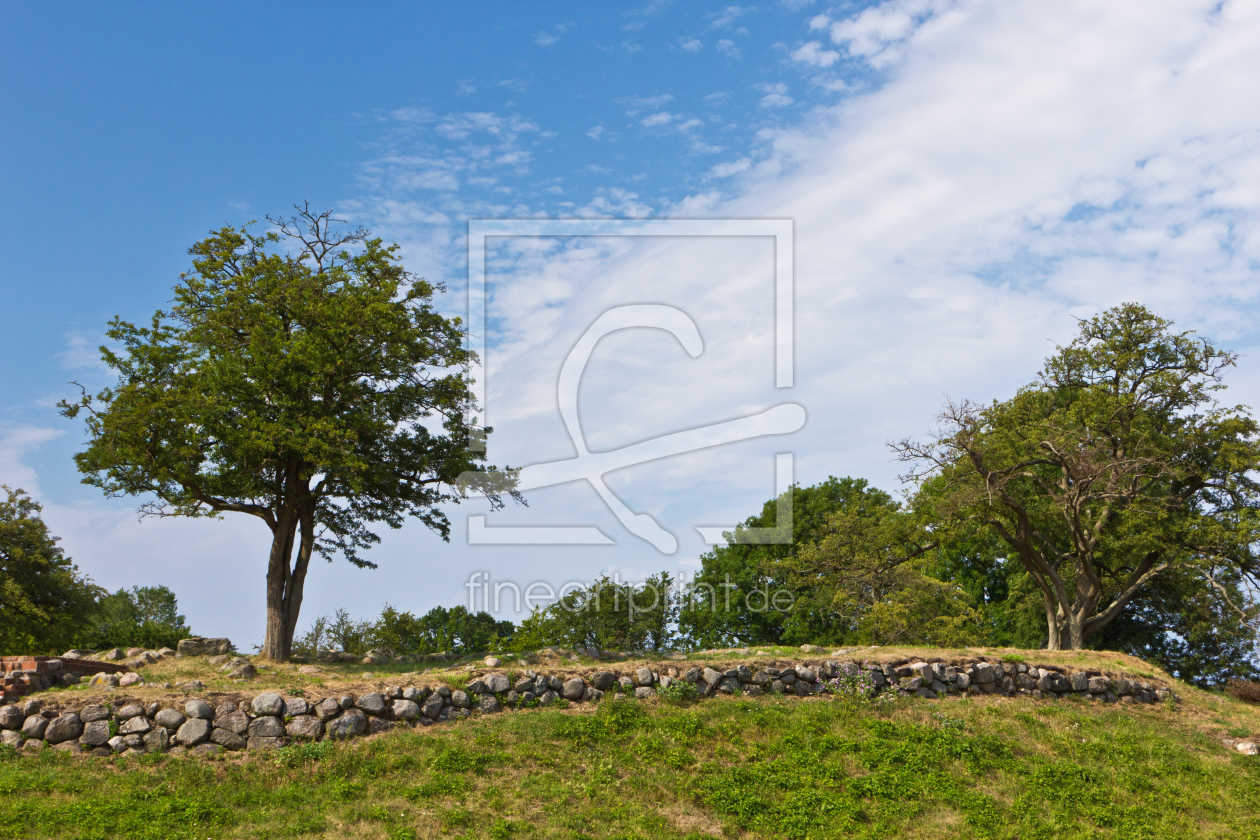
(766, 767)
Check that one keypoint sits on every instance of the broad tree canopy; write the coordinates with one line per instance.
(1115, 467)
(312, 385)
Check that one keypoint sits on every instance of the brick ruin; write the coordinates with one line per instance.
(22, 675)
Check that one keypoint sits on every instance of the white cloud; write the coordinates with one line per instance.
(813, 54)
(728, 16)
(876, 31)
(660, 118)
(691, 44)
(775, 95)
(545, 39)
(728, 48)
(725, 170)
(595, 132)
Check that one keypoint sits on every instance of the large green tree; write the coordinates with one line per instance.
(302, 376)
(43, 598)
(1115, 471)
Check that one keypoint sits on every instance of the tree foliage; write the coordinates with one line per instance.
(144, 616)
(454, 630)
(43, 598)
(608, 615)
(316, 388)
(1114, 468)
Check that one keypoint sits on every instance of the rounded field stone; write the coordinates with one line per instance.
(193, 732)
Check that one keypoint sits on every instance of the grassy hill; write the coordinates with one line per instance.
(727, 767)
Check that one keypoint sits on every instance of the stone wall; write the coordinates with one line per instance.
(23, 675)
(268, 720)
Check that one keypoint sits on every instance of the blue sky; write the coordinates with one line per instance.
(965, 178)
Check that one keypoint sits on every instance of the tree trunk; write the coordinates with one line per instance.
(285, 582)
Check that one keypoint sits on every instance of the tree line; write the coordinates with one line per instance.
(303, 376)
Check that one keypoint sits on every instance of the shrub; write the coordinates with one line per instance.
(1247, 691)
(677, 691)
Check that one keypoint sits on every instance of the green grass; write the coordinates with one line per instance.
(769, 767)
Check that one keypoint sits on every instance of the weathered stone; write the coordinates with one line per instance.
(626, 684)
(206, 749)
(417, 696)
(1247, 748)
(113, 655)
(266, 726)
(642, 676)
(35, 745)
(11, 717)
(1046, 683)
(157, 741)
(104, 680)
(95, 733)
(130, 679)
(191, 686)
(524, 684)
(327, 709)
(346, 701)
(711, 676)
(982, 673)
(406, 710)
(134, 741)
(1079, 681)
(377, 657)
(135, 726)
(197, 646)
(129, 711)
(221, 659)
(352, 722)
(372, 703)
(267, 704)
(198, 708)
(235, 722)
(34, 726)
(474, 687)
(193, 732)
(644, 692)
(497, 683)
(243, 672)
(593, 695)
(13, 738)
(433, 706)
(31, 707)
(71, 747)
(460, 700)
(378, 725)
(574, 688)
(66, 727)
(394, 692)
(229, 740)
(169, 719)
(925, 671)
(603, 680)
(489, 703)
(305, 727)
(806, 674)
(310, 669)
(294, 706)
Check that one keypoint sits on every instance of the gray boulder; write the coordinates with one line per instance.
(373, 703)
(268, 704)
(806, 674)
(199, 709)
(66, 727)
(643, 676)
(352, 722)
(264, 742)
(406, 710)
(11, 717)
(118, 744)
(13, 738)
(489, 703)
(497, 683)
(266, 727)
(433, 706)
(193, 732)
(95, 733)
(1099, 685)
(575, 687)
(229, 740)
(157, 741)
(130, 711)
(235, 722)
(197, 646)
(243, 672)
(547, 698)
(644, 692)
(169, 719)
(327, 709)
(206, 749)
(306, 727)
(1079, 681)
(459, 699)
(34, 726)
(711, 676)
(982, 672)
(135, 726)
(294, 706)
(603, 680)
